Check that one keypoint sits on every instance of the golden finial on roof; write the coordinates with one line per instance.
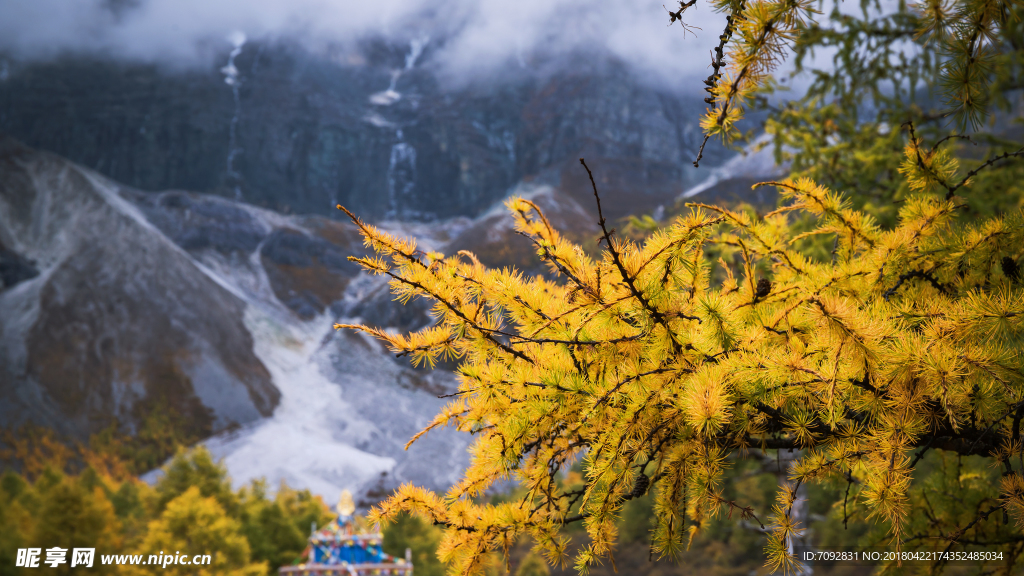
(346, 507)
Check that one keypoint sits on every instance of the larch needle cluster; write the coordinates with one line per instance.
(638, 365)
(654, 366)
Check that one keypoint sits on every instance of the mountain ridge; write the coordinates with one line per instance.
(375, 130)
(117, 304)
(125, 280)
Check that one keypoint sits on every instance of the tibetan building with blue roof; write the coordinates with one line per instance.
(341, 549)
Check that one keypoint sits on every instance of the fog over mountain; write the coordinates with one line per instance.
(405, 109)
(169, 171)
(117, 304)
(480, 37)
(375, 128)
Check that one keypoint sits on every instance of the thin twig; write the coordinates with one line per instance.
(717, 62)
(656, 314)
(970, 174)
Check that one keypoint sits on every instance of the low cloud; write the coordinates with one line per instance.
(480, 37)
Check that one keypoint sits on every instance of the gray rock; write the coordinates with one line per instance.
(119, 323)
(14, 269)
(309, 135)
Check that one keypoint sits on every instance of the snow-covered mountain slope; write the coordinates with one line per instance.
(117, 322)
(346, 411)
(347, 406)
(117, 304)
(734, 178)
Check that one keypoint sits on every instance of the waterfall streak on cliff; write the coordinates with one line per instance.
(401, 176)
(232, 79)
(392, 95)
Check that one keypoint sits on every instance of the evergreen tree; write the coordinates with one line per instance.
(272, 534)
(196, 468)
(15, 520)
(302, 508)
(274, 530)
(76, 515)
(193, 524)
(94, 510)
(128, 503)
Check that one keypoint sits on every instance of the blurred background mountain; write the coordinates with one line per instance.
(172, 259)
(372, 128)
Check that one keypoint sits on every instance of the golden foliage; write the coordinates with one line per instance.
(968, 46)
(636, 364)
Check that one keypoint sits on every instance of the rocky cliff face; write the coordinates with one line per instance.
(103, 318)
(372, 129)
(118, 303)
(121, 301)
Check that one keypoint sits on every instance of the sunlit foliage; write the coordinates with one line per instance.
(950, 66)
(906, 338)
(191, 509)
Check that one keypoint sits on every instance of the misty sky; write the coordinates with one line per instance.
(482, 36)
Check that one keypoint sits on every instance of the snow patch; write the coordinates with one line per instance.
(378, 120)
(391, 95)
(385, 98)
(299, 443)
(756, 161)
